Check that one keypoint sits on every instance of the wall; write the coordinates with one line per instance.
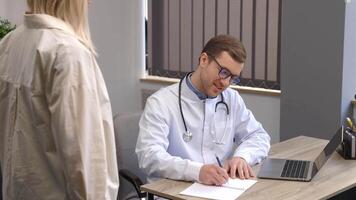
(117, 28)
(311, 67)
(349, 65)
(13, 10)
(318, 66)
(2, 8)
(267, 111)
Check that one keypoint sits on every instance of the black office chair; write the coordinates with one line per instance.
(126, 128)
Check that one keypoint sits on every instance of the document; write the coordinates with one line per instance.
(230, 190)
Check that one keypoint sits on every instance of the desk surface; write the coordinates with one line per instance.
(336, 176)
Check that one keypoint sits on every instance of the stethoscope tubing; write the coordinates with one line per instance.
(180, 101)
(187, 134)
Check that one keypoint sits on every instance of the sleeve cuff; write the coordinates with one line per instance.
(245, 156)
(193, 170)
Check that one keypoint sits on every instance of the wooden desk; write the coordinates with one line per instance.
(336, 176)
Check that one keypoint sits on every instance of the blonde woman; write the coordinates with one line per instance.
(56, 131)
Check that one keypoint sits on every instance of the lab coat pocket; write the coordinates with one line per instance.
(223, 140)
(222, 126)
(222, 132)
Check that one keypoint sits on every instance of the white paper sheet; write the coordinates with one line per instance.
(231, 190)
(239, 184)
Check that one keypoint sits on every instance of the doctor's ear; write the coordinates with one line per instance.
(203, 59)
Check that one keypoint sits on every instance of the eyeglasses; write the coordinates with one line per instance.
(225, 73)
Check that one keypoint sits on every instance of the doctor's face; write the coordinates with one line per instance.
(214, 83)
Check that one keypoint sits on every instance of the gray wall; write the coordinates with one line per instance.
(315, 66)
(2, 8)
(117, 28)
(349, 65)
(13, 10)
(267, 111)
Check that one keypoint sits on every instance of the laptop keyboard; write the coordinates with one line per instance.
(295, 169)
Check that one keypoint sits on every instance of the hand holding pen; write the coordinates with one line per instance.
(211, 174)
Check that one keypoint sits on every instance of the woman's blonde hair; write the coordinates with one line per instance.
(72, 12)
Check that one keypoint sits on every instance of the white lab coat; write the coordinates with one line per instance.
(56, 135)
(161, 150)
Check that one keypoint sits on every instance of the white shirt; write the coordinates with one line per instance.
(56, 135)
(161, 150)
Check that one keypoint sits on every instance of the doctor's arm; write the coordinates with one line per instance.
(152, 145)
(252, 140)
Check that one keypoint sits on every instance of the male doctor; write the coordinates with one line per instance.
(187, 127)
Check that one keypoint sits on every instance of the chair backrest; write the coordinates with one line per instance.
(126, 126)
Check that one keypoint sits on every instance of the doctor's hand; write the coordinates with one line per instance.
(237, 167)
(213, 175)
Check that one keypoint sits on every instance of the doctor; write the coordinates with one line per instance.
(185, 127)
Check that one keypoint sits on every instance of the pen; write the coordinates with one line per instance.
(217, 158)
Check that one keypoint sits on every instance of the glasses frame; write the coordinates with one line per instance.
(234, 79)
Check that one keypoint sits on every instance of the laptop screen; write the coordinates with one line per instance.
(329, 149)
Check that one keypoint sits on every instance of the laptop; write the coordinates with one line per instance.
(299, 170)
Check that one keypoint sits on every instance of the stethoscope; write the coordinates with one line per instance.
(187, 135)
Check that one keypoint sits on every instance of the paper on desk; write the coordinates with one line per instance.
(231, 190)
(239, 183)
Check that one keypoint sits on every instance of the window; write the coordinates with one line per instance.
(178, 29)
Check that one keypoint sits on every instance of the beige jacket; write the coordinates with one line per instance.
(56, 129)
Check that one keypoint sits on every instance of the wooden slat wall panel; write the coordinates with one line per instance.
(186, 35)
(165, 39)
(197, 30)
(260, 40)
(221, 17)
(209, 19)
(247, 20)
(235, 18)
(174, 35)
(273, 40)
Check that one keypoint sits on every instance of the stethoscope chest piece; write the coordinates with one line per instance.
(187, 136)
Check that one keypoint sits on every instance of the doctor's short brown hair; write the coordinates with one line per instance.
(231, 45)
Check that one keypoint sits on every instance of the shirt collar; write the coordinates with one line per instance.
(48, 22)
(199, 94)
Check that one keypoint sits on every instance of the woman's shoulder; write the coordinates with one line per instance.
(60, 42)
